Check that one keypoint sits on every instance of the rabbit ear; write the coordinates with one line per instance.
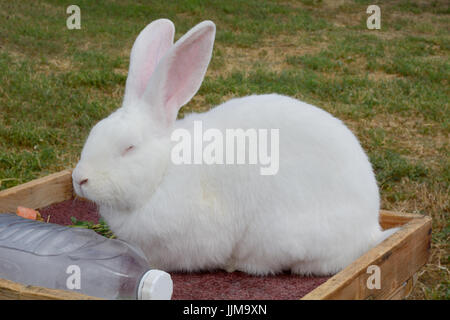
(180, 73)
(150, 46)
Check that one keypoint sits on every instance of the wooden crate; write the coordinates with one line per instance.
(399, 257)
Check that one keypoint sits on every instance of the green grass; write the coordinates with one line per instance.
(390, 86)
(101, 227)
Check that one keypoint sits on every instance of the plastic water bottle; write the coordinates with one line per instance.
(77, 259)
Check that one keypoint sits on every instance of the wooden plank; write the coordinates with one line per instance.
(10, 290)
(398, 257)
(38, 193)
(404, 290)
(390, 219)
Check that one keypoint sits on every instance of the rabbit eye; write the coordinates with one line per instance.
(128, 149)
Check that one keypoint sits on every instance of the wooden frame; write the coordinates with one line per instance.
(399, 257)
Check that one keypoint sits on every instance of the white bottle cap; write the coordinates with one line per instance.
(155, 285)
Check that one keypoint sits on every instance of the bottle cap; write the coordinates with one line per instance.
(155, 285)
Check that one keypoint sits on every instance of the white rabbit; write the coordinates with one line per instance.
(316, 215)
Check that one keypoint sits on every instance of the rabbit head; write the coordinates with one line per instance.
(126, 154)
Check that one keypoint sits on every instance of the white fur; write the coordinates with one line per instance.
(315, 216)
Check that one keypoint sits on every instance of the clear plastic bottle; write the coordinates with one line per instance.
(76, 259)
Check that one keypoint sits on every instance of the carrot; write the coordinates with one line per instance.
(28, 213)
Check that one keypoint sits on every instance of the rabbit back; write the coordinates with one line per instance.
(318, 213)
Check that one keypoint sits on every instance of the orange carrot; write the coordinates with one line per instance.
(28, 213)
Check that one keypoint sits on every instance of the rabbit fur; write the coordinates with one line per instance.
(316, 215)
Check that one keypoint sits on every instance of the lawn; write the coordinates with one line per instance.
(390, 86)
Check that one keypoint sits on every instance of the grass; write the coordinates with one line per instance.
(390, 86)
(101, 227)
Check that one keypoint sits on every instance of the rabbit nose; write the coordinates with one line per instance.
(83, 182)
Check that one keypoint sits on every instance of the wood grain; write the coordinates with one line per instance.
(389, 219)
(10, 290)
(399, 257)
(38, 193)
